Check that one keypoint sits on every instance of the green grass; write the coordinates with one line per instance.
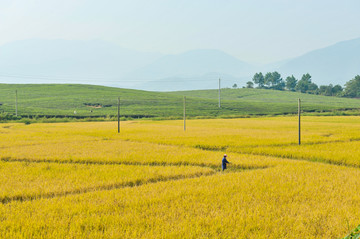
(261, 96)
(62, 100)
(355, 234)
(260, 101)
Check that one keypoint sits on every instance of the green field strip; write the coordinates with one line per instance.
(62, 100)
(355, 234)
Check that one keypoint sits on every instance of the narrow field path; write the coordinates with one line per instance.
(210, 148)
(106, 187)
(90, 162)
(112, 186)
(313, 160)
(215, 148)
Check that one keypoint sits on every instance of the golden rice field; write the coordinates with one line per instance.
(153, 180)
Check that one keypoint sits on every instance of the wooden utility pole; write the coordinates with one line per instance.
(118, 115)
(219, 94)
(16, 104)
(184, 113)
(299, 114)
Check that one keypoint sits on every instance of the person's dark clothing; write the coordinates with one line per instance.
(224, 162)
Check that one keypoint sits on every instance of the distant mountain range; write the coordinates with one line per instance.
(64, 61)
(197, 69)
(335, 64)
(103, 63)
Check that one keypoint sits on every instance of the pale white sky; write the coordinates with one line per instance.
(257, 31)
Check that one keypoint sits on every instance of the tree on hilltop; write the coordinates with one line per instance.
(330, 90)
(291, 82)
(352, 87)
(259, 80)
(274, 81)
(249, 84)
(337, 90)
(268, 79)
(277, 82)
(305, 85)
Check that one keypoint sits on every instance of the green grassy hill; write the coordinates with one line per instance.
(261, 101)
(93, 101)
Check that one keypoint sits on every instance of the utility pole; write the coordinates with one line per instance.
(16, 104)
(219, 94)
(118, 115)
(299, 114)
(184, 113)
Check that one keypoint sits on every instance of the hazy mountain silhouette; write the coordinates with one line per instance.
(103, 63)
(196, 69)
(92, 61)
(206, 81)
(335, 64)
(193, 63)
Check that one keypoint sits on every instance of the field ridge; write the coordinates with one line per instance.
(153, 163)
(22, 198)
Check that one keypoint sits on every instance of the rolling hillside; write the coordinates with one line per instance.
(94, 101)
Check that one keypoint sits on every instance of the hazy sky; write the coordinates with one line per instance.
(258, 31)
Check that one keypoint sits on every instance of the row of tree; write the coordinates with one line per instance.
(273, 80)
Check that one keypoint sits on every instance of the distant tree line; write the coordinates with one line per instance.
(274, 81)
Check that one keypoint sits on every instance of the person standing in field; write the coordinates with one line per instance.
(224, 162)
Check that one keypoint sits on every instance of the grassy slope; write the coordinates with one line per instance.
(54, 99)
(44, 99)
(275, 101)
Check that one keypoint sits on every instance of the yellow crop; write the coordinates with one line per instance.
(153, 180)
(24, 180)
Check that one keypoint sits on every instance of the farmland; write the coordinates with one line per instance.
(89, 101)
(153, 180)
